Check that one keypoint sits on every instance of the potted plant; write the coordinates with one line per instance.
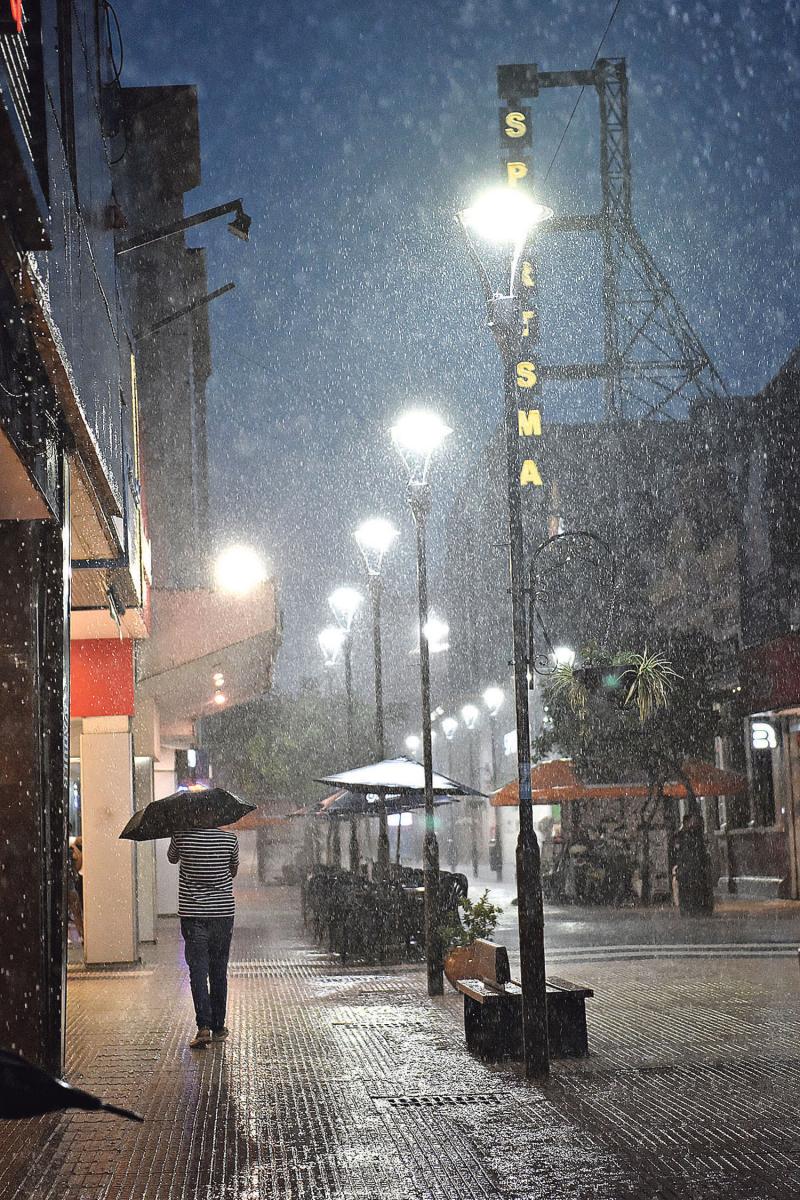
(475, 919)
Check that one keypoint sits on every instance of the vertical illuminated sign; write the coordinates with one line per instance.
(516, 137)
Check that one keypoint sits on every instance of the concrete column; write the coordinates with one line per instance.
(166, 873)
(109, 865)
(145, 853)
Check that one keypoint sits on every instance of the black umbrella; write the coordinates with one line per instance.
(28, 1091)
(188, 808)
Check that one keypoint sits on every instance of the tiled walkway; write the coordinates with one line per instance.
(352, 1083)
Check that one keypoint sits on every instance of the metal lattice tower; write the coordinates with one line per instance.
(654, 364)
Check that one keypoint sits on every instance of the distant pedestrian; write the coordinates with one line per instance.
(75, 883)
(693, 867)
(209, 861)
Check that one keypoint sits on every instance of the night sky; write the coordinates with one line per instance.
(354, 131)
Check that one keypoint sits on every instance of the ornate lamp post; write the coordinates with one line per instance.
(344, 603)
(494, 698)
(417, 436)
(508, 217)
(375, 538)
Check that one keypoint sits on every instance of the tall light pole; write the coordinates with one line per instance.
(508, 217)
(470, 715)
(344, 603)
(331, 642)
(449, 727)
(494, 698)
(375, 538)
(417, 435)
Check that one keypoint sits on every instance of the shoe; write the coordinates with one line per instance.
(219, 1035)
(200, 1039)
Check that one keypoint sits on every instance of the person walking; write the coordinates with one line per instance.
(692, 867)
(209, 861)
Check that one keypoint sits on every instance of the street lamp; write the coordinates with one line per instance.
(507, 216)
(331, 641)
(375, 538)
(437, 634)
(470, 715)
(416, 436)
(239, 569)
(412, 744)
(449, 728)
(563, 656)
(494, 698)
(344, 603)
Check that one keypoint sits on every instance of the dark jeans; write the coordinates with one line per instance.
(207, 943)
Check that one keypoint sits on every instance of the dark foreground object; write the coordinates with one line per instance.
(493, 1010)
(190, 808)
(27, 1091)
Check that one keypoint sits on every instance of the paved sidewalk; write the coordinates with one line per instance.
(351, 1083)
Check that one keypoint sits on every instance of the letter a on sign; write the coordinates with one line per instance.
(530, 474)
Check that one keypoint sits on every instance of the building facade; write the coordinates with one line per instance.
(71, 522)
(102, 443)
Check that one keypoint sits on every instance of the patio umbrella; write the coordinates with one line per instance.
(188, 808)
(556, 782)
(396, 776)
(28, 1091)
(367, 804)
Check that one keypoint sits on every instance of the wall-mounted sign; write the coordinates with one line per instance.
(763, 735)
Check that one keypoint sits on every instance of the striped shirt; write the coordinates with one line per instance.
(209, 859)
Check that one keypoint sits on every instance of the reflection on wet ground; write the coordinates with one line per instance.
(350, 1082)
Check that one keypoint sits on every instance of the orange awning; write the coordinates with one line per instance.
(555, 782)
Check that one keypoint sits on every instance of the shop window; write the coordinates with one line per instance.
(763, 789)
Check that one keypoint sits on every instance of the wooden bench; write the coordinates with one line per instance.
(493, 1009)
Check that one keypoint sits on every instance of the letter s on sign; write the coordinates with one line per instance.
(526, 375)
(515, 125)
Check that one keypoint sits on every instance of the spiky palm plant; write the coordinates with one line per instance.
(647, 679)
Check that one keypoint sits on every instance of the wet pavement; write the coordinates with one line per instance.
(352, 1083)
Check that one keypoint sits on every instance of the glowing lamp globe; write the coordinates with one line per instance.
(239, 569)
(504, 215)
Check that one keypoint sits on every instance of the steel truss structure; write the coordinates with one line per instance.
(654, 364)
